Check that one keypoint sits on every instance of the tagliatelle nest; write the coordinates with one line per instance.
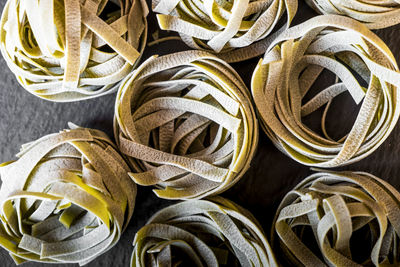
(339, 219)
(186, 123)
(220, 26)
(374, 14)
(72, 50)
(293, 63)
(213, 232)
(67, 199)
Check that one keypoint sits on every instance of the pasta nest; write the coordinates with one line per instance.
(72, 50)
(67, 199)
(364, 67)
(220, 26)
(186, 123)
(212, 232)
(339, 219)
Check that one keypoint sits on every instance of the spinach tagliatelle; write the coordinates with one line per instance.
(67, 199)
(187, 125)
(221, 26)
(291, 66)
(341, 219)
(72, 50)
(211, 232)
(374, 14)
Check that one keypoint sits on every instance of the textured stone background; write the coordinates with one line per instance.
(25, 118)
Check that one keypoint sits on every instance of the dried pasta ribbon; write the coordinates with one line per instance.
(187, 125)
(292, 64)
(374, 14)
(212, 232)
(339, 219)
(72, 50)
(222, 26)
(67, 199)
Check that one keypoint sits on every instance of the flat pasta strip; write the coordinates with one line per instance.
(186, 123)
(65, 51)
(222, 26)
(67, 199)
(292, 64)
(374, 14)
(210, 232)
(339, 219)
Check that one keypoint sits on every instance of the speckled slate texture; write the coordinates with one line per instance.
(25, 117)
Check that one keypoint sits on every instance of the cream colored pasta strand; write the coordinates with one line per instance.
(374, 14)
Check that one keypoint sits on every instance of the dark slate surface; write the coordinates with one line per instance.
(25, 117)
